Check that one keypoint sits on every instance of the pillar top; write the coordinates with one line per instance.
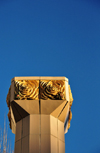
(39, 95)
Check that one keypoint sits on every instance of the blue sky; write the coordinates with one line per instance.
(56, 38)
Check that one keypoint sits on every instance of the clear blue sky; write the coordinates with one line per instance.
(56, 38)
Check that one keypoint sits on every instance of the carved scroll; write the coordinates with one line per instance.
(54, 89)
(26, 89)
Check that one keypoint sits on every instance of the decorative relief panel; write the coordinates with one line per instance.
(8, 103)
(54, 89)
(26, 89)
(71, 101)
(44, 89)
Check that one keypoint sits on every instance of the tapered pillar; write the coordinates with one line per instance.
(39, 113)
(39, 134)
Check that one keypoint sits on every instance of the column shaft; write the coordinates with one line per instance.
(39, 134)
